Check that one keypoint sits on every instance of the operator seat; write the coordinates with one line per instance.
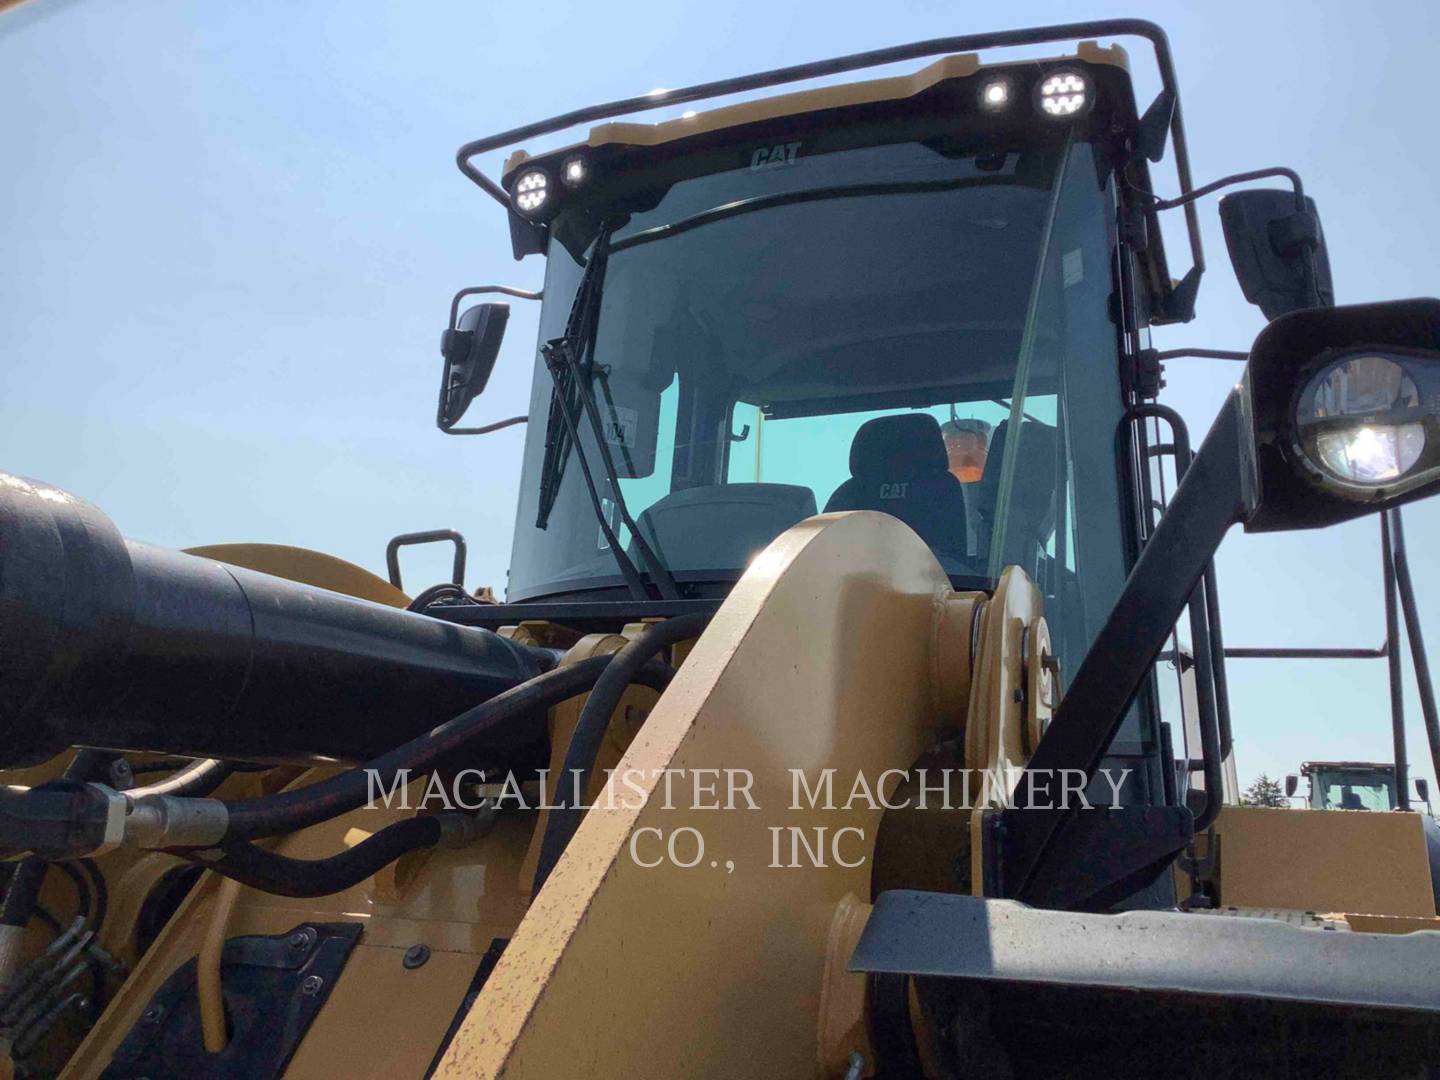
(898, 466)
(1032, 497)
(702, 528)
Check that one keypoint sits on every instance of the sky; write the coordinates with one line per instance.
(231, 233)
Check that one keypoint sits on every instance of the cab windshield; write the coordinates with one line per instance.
(910, 327)
(1354, 789)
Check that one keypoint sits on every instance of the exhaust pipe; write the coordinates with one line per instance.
(110, 643)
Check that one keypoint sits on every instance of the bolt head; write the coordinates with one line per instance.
(415, 956)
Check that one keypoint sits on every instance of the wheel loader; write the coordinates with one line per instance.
(1352, 785)
(856, 704)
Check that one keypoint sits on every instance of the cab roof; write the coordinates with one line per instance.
(803, 102)
(1325, 766)
(1161, 128)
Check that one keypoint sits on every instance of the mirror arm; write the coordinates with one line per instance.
(1227, 181)
(486, 429)
(477, 290)
(1203, 354)
(1148, 376)
(1298, 235)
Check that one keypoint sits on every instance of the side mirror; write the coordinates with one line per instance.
(1422, 788)
(1278, 251)
(469, 347)
(1345, 409)
(1292, 784)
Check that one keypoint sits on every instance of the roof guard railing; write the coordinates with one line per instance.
(1140, 28)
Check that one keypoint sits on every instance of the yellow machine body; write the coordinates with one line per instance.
(843, 648)
(842, 653)
(703, 919)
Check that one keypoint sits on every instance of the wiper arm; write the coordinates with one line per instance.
(570, 361)
(562, 372)
(792, 198)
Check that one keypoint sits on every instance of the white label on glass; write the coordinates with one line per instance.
(1072, 267)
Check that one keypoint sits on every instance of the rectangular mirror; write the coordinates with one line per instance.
(469, 348)
(1278, 251)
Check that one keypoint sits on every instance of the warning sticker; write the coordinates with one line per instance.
(622, 426)
(1072, 267)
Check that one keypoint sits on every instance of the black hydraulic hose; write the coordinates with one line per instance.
(288, 811)
(22, 892)
(284, 876)
(85, 905)
(44, 915)
(565, 817)
(99, 891)
(426, 597)
(92, 906)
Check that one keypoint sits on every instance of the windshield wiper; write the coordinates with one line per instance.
(807, 195)
(571, 363)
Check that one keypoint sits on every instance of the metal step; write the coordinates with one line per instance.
(967, 937)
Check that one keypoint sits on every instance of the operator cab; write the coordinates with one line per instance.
(910, 310)
(1348, 785)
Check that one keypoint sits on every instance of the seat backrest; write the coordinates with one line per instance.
(724, 525)
(1031, 498)
(898, 466)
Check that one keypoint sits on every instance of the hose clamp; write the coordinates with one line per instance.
(117, 807)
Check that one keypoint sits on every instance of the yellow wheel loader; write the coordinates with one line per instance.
(856, 705)
(1353, 785)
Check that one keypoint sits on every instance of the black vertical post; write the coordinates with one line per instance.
(1423, 684)
(1392, 660)
(1217, 652)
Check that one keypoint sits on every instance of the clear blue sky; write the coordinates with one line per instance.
(231, 232)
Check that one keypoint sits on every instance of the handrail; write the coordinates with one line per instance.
(659, 99)
(429, 536)
(1211, 692)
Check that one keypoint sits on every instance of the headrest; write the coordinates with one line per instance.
(1036, 450)
(906, 445)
